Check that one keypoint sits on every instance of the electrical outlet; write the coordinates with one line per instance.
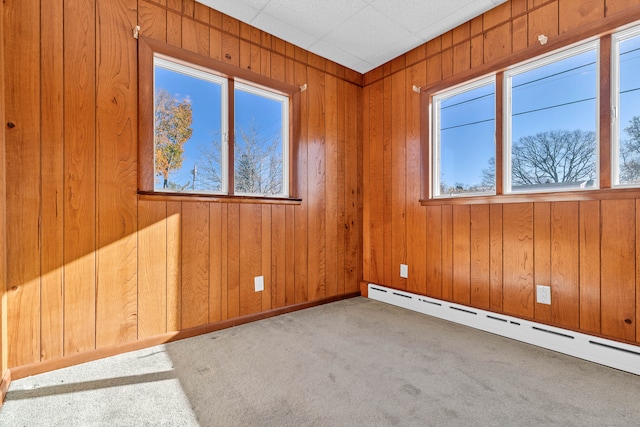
(543, 294)
(404, 271)
(258, 281)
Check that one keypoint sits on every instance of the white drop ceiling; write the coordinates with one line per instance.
(359, 34)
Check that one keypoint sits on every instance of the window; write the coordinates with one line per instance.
(551, 126)
(464, 140)
(211, 129)
(190, 129)
(626, 107)
(532, 128)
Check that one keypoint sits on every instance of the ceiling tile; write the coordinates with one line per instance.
(359, 34)
(280, 29)
(335, 53)
(244, 11)
(366, 33)
(316, 17)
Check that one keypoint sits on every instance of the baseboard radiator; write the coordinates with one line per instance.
(599, 350)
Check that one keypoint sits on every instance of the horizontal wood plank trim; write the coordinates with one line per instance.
(88, 356)
(4, 385)
(181, 197)
(226, 69)
(564, 196)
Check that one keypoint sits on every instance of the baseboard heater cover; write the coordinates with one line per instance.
(606, 352)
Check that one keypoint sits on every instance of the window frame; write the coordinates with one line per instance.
(616, 128)
(148, 50)
(435, 119)
(602, 30)
(507, 142)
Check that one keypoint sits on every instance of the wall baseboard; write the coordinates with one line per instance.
(91, 355)
(603, 351)
(4, 385)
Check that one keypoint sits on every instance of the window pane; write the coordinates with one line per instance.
(629, 111)
(554, 124)
(261, 127)
(465, 139)
(188, 129)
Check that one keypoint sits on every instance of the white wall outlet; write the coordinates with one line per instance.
(258, 281)
(404, 271)
(543, 294)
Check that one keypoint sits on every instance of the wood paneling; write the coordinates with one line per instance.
(195, 264)
(4, 372)
(23, 181)
(462, 254)
(518, 268)
(480, 256)
(79, 177)
(618, 268)
(542, 256)
(116, 159)
(152, 269)
(52, 128)
(491, 252)
(565, 297)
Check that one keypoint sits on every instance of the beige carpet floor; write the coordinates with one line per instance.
(351, 363)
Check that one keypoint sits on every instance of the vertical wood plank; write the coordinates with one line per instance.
(518, 269)
(462, 254)
(543, 21)
(572, 15)
(174, 29)
(215, 262)
(80, 177)
(250, 257)
(152, 20)
(265, 252)
(116, 138)
(301, 254)
(195, 36)
(495, 251)
(589, 248)
(152, 268)
(367, 274)
(447, 253)
(52, 133)
(224, 264)
(3, 210)
(342, 229)
(565, 293)
(233, 261)
(480, 256)
(174, 266)
(434, 261)
(416, 214)
(316, 171)
(618, 261)
(290, 256)
(352, 187)
(398, 193)
(376, 184)
(497, 43)
(279, 264)
(332, 176)
(390, 272)
(195, 264)
(542, 255)
(22, 103)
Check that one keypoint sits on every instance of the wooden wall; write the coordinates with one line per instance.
(91, 265)
(491, 256)
(3, 224)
